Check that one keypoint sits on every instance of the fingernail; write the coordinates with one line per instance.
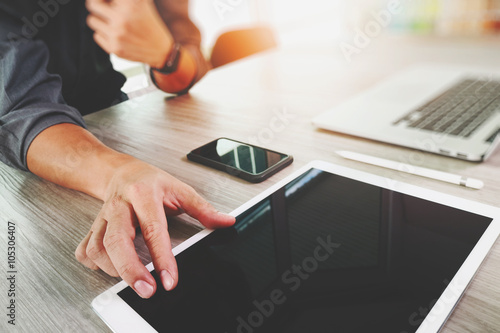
(224, 215)
(167, 280)
(228, 217)
(144, 289)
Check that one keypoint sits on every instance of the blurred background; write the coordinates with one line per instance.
(319, 20)
(329, 22)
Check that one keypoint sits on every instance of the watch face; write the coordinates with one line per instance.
(172, 62)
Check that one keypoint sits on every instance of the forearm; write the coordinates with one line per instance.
(72, 157)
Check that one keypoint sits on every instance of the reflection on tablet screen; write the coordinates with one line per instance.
(325, 253)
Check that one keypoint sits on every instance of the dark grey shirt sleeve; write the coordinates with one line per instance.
(30, 97)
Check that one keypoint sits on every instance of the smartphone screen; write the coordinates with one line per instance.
(240, 159)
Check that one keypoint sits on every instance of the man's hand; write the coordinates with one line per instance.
(135, 194)
(140, 195)
(131, 29)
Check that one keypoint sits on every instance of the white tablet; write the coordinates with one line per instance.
(326, 249)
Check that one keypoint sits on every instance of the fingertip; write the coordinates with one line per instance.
(144, 289)
(218, 220)
(227, 219)
(168, 281)
(144, 285)
(84, 260)
(91, 266)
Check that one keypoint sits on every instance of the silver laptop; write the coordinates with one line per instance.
(441, 109)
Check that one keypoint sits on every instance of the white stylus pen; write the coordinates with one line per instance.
(424, 172)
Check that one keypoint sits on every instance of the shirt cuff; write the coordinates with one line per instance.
(44, 122)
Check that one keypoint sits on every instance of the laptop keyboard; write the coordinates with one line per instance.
(459, 111)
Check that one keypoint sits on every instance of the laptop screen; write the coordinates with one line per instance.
(324, 253)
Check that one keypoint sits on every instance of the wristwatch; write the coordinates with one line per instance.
(172, 62)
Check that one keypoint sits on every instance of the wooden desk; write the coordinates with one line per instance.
(270, 100)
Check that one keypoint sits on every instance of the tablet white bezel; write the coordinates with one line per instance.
(120, 317)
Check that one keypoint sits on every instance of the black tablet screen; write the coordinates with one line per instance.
(324, 253)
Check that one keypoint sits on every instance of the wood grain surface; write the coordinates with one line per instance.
(268, 100)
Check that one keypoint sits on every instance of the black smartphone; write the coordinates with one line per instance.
(243, 160)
